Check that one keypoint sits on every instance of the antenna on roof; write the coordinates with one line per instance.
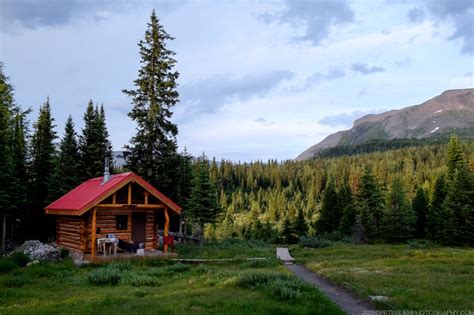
(106, 171)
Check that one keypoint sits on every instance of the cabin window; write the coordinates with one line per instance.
(122, 222)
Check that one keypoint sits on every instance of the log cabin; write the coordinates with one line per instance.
(122, 204)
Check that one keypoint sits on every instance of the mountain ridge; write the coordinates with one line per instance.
(451, 110)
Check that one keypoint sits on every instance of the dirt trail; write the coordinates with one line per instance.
(347, 301)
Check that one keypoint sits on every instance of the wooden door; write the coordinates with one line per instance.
(138, 228)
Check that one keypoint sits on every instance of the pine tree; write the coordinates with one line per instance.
(420, 208)
(184, 184)
(19, 149)
(43, 155)
(152, 151)
(398, 221)
(301, 227)
(436, 218)
(203, 205)
(370, 204)
(69, 167)
(455, 157)
(94, 145)
(8, 182)
(329, 214)
(7, 108)
(459, 206)
(348, 216)
(288, 234)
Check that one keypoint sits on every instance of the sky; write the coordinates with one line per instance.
(258, 80)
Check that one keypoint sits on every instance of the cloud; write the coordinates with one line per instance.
(461, 14)
(332, 74)
(416, 15)
(366, 69)
(403, 62)
(208, 96)
(34, 14)
(316, 17)
(263, 122)
(344, 119)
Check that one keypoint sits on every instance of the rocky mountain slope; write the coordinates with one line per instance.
(452, 111)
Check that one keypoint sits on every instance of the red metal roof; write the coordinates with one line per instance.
(90, 193)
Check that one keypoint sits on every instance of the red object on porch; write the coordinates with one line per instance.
(169, 240)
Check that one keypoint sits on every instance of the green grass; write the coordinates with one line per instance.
(414, 277)
(231, 248)
(151, 286)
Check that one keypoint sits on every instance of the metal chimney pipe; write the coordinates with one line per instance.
(106, 171)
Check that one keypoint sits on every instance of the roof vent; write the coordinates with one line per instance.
(106, 171)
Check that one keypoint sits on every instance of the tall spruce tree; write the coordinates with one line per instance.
(420, 208)
(69, 166)
(436, 217)
(330, 213)
(348, 217)
(8, 182)
(398, 221)
(455, 157)
(184, 185)
(459, 207)
(7, 108)
(370, 204)
(43, 154)
(203, 205)
(301, 227)
(94, 145)
(152, 152)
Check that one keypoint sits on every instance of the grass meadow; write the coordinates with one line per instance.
(415, 276)
(151, 286)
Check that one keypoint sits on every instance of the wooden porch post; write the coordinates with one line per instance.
(167, 227)
(94, 234)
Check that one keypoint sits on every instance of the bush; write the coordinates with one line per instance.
(420, 244)
(16, 281)
(260, 263)
(315, 242)
(7, 265)
(253, 279)
(64, 252)
(20, 259)
(282, 286)
(105, 276)
(286, 289)
(140, 293)
(178, 268)
(140, 280)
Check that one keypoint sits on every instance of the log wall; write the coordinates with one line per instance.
(70, 233)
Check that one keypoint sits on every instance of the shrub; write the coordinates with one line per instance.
(105, 276)
(252, 279)
(140, 293)
(315, 242)
(140, 280)
(20, 259)
(260, 263)
(64, 253)
(178, 268)
(7, 265)
(287, 289)
(282, 286)
(16, 281)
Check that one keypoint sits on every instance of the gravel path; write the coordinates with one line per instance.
(347, 301)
